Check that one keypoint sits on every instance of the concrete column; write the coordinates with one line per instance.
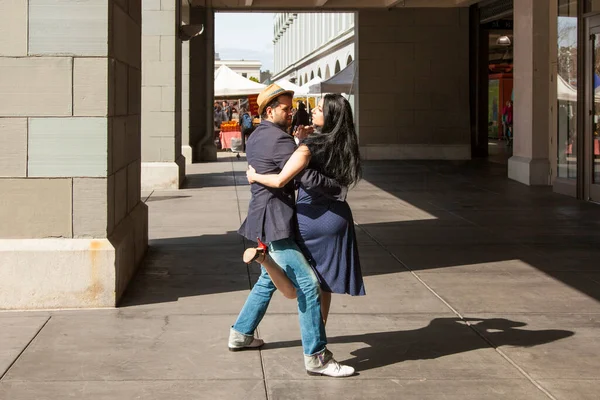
(163, 165)
(411, 104)
(186, 147)
(202, 56)
(530, 164)
(73, 227)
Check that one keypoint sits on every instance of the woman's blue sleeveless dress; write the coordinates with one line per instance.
(326, 237)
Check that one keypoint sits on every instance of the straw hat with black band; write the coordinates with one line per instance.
(271, 92)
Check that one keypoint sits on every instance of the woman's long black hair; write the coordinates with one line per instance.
(335, 147)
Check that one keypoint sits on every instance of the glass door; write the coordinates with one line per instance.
(592, 131)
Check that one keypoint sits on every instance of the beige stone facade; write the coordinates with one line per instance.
(73, 228)
(413, 105)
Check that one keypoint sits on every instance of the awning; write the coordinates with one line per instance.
(342, 82)
(230, 83)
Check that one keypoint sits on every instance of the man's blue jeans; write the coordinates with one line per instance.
(289, 257)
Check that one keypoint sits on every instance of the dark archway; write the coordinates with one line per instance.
(349, 60)
(319, 73)
(337, 67)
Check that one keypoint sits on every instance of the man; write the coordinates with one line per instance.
(227, 110)
(271, 217)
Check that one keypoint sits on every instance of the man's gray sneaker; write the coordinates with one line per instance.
(238, 341)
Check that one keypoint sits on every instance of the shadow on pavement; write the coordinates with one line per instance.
(442, 337)
(215, 180)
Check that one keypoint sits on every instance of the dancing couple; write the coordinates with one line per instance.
(310, 249)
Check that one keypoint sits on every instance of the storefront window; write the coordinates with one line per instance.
(567, 88)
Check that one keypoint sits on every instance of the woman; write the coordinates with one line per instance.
(301, 117)
(326, 227)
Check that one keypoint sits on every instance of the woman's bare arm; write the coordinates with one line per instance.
(297, 162)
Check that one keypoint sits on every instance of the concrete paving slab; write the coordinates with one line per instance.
(559, 236)
(513, 292)
(473, 259)
(579, 257)
(127, 390)
(363, 238)
(416, 346)
(396, 293)
(548, 346)
(408, 217)
(551, 218)
(207, 219)
(386, 294)
(399, 388)
(563, 389)
(112, 348)
(395, 233)
(376, 260)
(194, 260)
(187, 294)
(193, 236)
(15, 333)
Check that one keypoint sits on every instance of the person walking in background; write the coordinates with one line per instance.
(226, 111)
(507, 119)
(246, 125)
(301, 118)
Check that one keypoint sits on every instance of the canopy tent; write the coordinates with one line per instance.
(342, 82)
(287, 85)
(565, 91)
(230, 83)
(307, 87)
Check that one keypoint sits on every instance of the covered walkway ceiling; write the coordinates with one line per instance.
(326, 4)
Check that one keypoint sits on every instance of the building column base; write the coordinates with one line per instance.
(206, 152)
(72, 273)
(187, 152)
(416, 152)
(530, 171)
(163, 175)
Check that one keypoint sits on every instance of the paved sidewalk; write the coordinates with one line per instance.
(477, 288)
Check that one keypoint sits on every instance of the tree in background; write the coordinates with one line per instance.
(253, 79)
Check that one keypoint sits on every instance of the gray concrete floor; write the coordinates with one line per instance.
(477, 288)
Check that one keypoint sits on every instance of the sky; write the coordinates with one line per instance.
(247, 36)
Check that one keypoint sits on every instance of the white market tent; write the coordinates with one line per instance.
(342, 82)
(287, 85)
(307, 87)
(565, 91)
(230, 83)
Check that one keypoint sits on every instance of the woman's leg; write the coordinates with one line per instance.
(279, 278)
(325, 305)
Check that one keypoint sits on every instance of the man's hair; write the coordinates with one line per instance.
(273, 104)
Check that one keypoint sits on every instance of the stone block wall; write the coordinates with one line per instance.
(163, 162)
(414, 83)
(201, 86)
(70, 78)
